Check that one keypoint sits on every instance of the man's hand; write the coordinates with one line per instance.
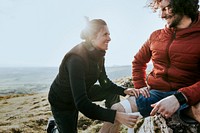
(166, 107)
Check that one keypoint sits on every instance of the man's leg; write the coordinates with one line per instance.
(141, 104)
(114, 128)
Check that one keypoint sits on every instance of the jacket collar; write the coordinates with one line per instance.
(94, 53)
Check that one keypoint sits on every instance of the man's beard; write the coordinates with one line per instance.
(176, 21)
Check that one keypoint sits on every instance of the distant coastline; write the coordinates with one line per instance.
(25, 80)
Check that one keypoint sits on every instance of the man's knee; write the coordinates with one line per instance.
(124, 105)
(118, 107)
(133, 104)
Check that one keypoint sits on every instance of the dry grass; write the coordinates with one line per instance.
(29, 113)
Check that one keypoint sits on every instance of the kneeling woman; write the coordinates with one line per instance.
(74, 88)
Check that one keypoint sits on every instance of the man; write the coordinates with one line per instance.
(174, 82)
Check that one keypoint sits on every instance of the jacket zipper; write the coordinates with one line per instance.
(167, 49)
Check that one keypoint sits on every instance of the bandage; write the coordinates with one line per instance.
(127, 106)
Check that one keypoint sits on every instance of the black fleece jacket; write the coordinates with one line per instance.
(81, 68)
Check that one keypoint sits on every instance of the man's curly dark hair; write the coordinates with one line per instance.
(182, 7)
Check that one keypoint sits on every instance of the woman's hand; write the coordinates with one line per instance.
(127, 119)
(144, 91)
(132, 92)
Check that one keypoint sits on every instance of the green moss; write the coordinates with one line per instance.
(138, 125)
(156, 127)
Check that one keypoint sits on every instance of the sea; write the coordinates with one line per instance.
(25, 80)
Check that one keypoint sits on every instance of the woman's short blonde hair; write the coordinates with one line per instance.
(91, 29)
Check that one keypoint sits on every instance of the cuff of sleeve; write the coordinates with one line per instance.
(125, 88)
(181, 98)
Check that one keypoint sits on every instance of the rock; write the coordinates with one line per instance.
(152, 124)
(178, 126)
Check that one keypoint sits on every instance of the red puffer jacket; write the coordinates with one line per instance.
(176, 62)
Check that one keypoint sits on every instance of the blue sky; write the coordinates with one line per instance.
(40, 32)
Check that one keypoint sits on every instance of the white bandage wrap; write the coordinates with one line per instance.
(126, 105)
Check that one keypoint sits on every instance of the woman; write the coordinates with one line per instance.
(74, 88)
